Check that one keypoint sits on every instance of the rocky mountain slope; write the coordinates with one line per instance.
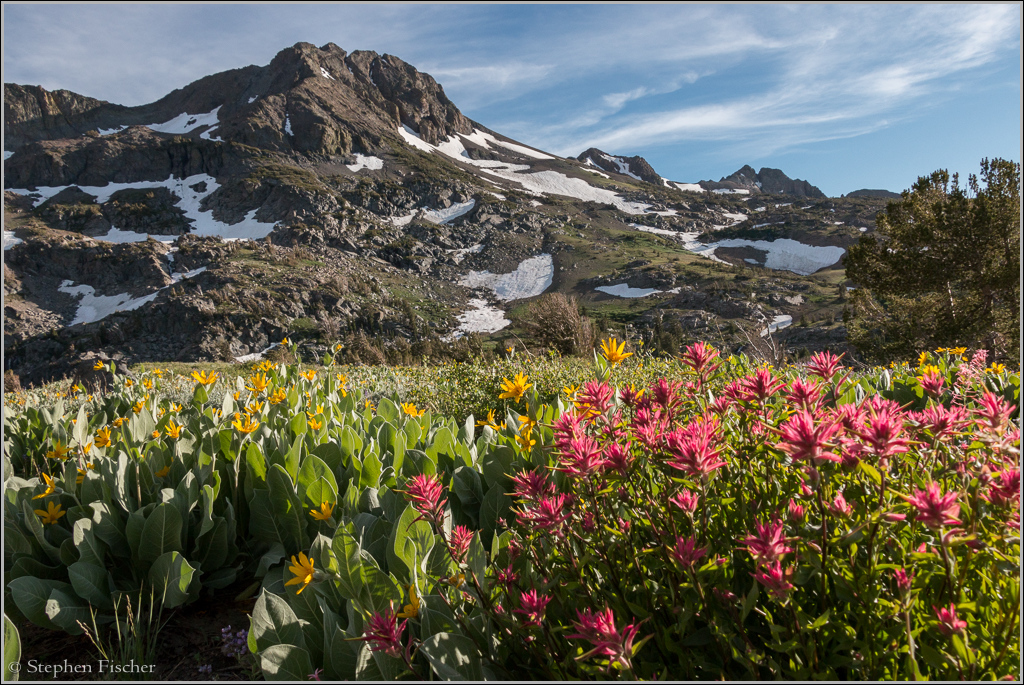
(342, 196)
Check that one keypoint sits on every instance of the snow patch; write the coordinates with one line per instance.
(116, 235)
(784, 254)
(203, 223)
(116, 129)
(245, 358)
(366, 162)
(443, 216)
(623, 290)
(532, 277)
(779, 322)
(731, 191)
(658, 231)
(326, 74)
(10, 240)
(206, 135)
(760, 209)
(482, 318)
(540, 183)
(691, 187)
(93, 307)
(414, 139)
(288, 125)
(794, 299)
(863, 229)
(184, 122)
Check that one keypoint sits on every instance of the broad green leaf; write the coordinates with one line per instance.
(453, 657)
(66, 610)
(410, 544)
(12, 649)
(171, 576)
(31, 594)
(288, 509)
(161, 533)
(274, 623)
(91, 583)
(285, 662)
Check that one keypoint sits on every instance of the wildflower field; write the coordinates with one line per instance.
(630, 517)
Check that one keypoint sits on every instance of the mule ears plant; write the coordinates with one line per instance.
(943, 268)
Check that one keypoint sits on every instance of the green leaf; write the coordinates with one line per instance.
(274, 623)
(161, 533)
(285, 662)
(65, 609)
(171, 575)
(12, 649)
(870, 471)
(91, 584)
(314, 469)
(477, 560)
(366, 666)
(410, 544)
(30, 596)
(749, 601)
(452, 656)
(287, 509)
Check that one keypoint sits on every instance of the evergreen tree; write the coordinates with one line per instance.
(943, 269)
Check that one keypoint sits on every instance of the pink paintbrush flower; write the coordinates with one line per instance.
(935, 509)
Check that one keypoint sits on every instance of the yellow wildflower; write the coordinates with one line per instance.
(996, 368)
(50, 487)
(81, 476)
(326, 510)
(147, 384)
(315, 425)
(309, 375)
(285, 342)
(52, 513)
(412, 609)
(159, 373)
(173, 430)
(525, 441)
(97, 366)
(163, 472)
(514, 389)
(103, 437)
(303, 570)
(117, 424)
(155, 434)
(175, 407)
(258, 383)
(205, 377)
(456, 580)
(923, 358)
(527, 422)
(411, 410)
(254, 408)
(265, 365)
(247, 426)
(160, 412)
(614, 351)
(570, 391)
(369, 405)
(59, 451)
(139, 406)
(129, 383)
(278, 396)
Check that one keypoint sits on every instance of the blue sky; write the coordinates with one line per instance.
(845, 96)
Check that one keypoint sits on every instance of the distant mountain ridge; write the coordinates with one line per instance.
(767, 180)
(866, 192)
